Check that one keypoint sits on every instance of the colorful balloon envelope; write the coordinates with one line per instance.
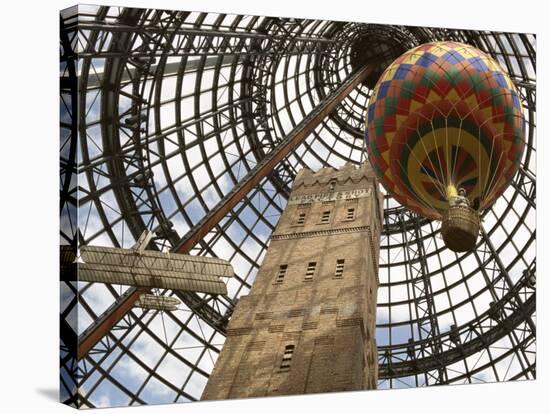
(445, 117)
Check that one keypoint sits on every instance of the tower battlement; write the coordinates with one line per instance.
(323, 176)
(331, 180)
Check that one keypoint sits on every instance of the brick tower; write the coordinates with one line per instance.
(308, 322)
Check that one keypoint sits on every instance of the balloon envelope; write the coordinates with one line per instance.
(443, 116)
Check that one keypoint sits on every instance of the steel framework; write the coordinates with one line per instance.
(194, 125)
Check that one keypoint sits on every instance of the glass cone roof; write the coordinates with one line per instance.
(217, 93)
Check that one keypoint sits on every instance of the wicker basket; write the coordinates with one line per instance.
(460, 228)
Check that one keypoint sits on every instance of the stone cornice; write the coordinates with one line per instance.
(318, 233)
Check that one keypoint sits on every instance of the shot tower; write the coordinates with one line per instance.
(308, 323)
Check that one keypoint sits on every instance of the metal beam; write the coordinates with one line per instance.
(91, 336)
(124, 303)
(149, 29)
(427, 324)
(457, 353)
(504, 272)
(266, 165)
(169, 69)
(98, 329)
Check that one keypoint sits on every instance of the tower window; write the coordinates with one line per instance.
(287, 357)
(350, 214)
(301, 218)
(339, 268)
(325, 217)
(282, 273)
(310, 271)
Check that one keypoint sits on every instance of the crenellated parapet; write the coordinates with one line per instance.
(324, 176)
(321, 183)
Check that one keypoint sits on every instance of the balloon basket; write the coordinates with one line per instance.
(460, 228)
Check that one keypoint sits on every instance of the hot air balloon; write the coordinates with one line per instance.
(445, 135)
